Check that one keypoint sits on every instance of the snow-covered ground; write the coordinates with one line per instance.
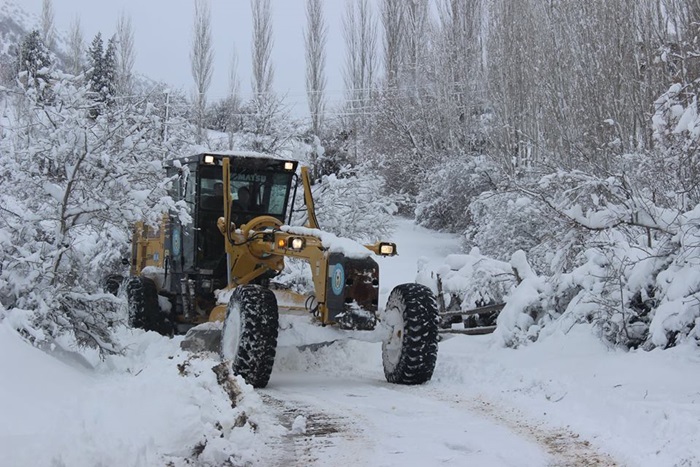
(567, 400)
(153, 406)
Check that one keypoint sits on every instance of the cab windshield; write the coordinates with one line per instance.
(254, 193)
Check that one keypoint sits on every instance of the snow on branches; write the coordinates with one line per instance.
(352, 204)
(72, 183)
(618, 258)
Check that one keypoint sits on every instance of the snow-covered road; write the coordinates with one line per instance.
(568, 400)
(379, 424)
(353, 416)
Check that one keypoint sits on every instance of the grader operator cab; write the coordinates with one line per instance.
(212, 275)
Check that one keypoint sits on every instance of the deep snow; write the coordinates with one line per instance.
(567, 400)
(154, 405)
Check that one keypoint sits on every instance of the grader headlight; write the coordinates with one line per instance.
(296, 243)
(387, 249)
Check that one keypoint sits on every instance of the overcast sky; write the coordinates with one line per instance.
(163, 37)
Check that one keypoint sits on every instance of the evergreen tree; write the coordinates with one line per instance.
(33, 61)
(109, 72)
(95, 53)
(102, 73)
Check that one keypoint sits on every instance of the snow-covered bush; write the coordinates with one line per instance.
(446, 192)
(618, 251)
(72, 183)
(352, 204)
(469, 281)
(506, 221)
(525, 306)
(631, 277)
(644, 224)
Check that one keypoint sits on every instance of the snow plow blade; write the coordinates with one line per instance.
(203, 338)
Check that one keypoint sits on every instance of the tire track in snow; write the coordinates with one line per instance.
(389, 425)
(566, 447)
(324, 434)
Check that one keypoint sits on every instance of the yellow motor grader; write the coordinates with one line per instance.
(191, 277)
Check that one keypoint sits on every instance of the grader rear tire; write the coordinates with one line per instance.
(410, 354)
(249, 337)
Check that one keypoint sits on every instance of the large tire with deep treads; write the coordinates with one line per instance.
(144, 310)
(410, 353)
(249, 337)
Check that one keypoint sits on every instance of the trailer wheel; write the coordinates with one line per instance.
(410, 353)
(249, 337)
(144, 310)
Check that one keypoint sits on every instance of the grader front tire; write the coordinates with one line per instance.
(249, 337)
(410, 354)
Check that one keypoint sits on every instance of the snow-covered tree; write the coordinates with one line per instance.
(48, 27)
(359, 71)
(447, 192)
(201, 62)
(102, 74)
(351, 204)
(392, 15)
(266, 108)
(233, 100)
(315, 44)
(263, 71)
(69, 194)
(76, 48)
(125, 54)
(33, 61)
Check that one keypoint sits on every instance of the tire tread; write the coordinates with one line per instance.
(258, 342)
(420, 341)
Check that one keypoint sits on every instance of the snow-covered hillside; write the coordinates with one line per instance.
(565, 400)
(14, 23)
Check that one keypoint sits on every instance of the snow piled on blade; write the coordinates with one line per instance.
(333, 243)
(153, 405)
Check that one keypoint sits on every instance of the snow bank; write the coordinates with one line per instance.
(153, 405)
(641, 407)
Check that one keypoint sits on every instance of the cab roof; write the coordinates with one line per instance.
(246, 159)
